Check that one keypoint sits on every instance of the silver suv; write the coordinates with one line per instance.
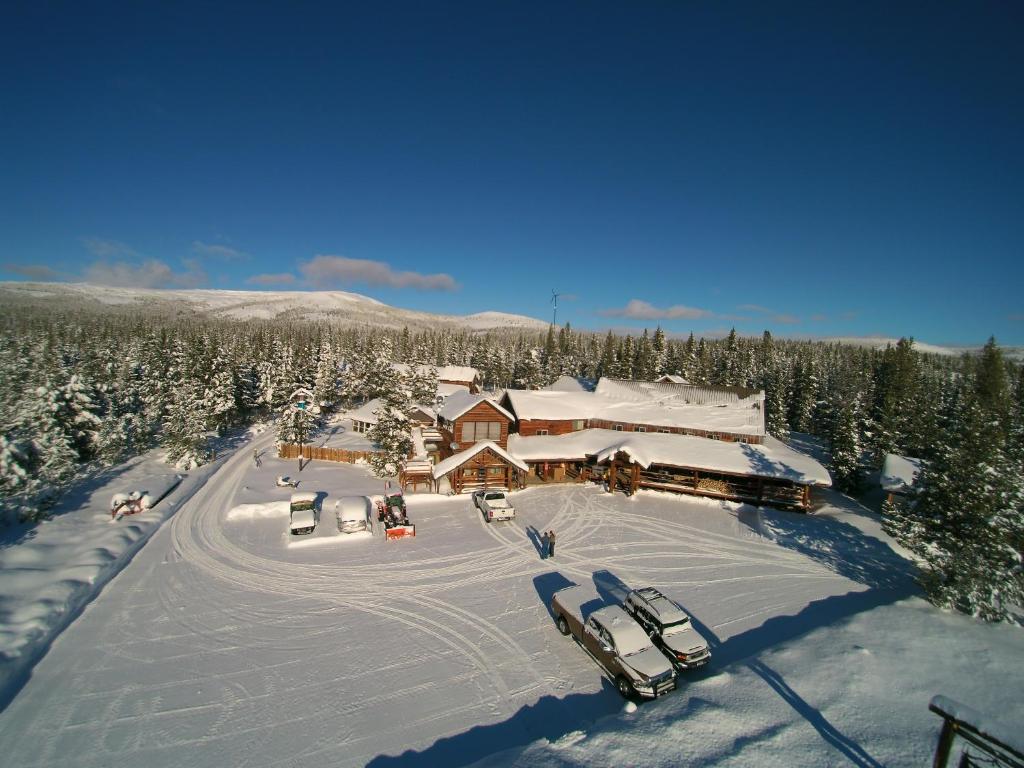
(669, 626)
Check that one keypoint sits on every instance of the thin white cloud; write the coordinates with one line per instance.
(642, 310)
(782, 318)
(283, 278)
(216, 250)
(151, 273)
(340, 270)
(33, 271)
(107, 249)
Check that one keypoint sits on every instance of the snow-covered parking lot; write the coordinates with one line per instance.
(220, 644)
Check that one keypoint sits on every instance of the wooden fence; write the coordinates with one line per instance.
(291, 451)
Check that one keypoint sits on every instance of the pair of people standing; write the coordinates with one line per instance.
(549, 544)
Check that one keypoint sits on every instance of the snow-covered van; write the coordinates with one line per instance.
(351, 512)
(303, 513)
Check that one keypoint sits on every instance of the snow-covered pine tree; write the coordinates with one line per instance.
(527, 373)
(643, 360)
(14, 467)
(54, 450)
(125, 430)
(804, 394)
(659, 353)
(421, 384)
(846, 451)
(392, 438)
(965, 518)
(295, 425)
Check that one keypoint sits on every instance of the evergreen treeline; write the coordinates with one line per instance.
(83, 389)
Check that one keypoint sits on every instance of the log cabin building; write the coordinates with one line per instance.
(708, 441)
(668, 436)
(474, 431)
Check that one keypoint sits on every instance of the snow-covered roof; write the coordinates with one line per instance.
(460, 402)
(442, 468)
(570, 384)
(898, 473)
(672, 378)
(444, 372)
(685, 394)
(304, 497)
(773, 459)
(457, 373)
(365, 412)
(650, 403)
(444, 389)
(551, 405)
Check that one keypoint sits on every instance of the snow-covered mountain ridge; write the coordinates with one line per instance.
(337, 307)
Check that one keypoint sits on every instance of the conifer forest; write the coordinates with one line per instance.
(84, 390)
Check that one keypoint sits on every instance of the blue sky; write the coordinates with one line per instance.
(817, 169)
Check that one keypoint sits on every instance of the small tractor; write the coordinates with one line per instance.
(391, 511)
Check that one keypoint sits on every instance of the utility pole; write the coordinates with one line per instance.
(554, 312)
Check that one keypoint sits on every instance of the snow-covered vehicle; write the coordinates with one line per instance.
(392, 512)
(351, 513)
(616, 642)
(129, 504)
(302, 513)
(494, 504)
(669, 626)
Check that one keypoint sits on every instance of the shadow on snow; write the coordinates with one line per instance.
(550, 718)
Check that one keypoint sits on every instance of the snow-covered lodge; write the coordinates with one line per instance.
(708, 441)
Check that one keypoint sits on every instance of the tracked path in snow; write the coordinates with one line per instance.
(221, 646)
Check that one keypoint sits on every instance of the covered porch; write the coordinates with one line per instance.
(485, 465)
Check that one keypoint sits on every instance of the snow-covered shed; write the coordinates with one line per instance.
(767, 473)
(898, 474)
(485, 465)
(671, 378)
(365, 416)
(460, 375)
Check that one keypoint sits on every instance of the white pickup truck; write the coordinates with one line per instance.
(494, 504)
(616, 642)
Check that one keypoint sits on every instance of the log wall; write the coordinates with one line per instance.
(482, 411)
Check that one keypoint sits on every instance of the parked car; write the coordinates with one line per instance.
(617, 643)
(494, 504)
(302, 513)
(352, 513)
(669, 626)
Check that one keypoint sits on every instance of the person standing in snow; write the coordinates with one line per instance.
(256, 456)
(551, 543)
(545, 545)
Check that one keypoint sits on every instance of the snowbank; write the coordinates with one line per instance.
(50, 571)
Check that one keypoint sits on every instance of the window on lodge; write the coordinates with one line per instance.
(542, 431)
(641, 429)
(495, 471)
(578, 424)
(617, 427)
(474, 431)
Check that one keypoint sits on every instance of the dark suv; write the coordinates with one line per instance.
(669, 626)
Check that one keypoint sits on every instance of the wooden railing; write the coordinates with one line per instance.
(343, 455)
(989, 744)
